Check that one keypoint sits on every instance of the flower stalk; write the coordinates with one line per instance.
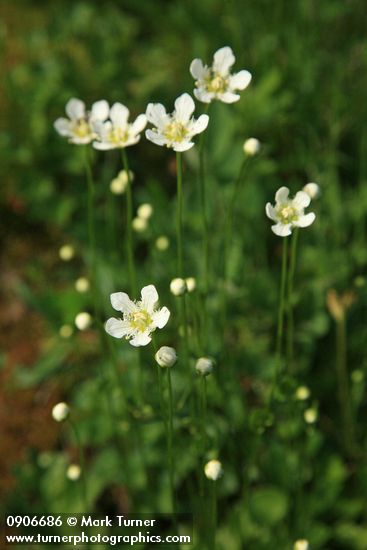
(290, 299)
(129, 219)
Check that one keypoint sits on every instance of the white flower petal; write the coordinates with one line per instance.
(301, 200)
(160, 317)
(141, 339)
(75, 109)
(306, 220)
(139, 124)
(103, 145)
(119, 115)
(200, 124)
(202, 95)
(228, 97)
(149, 297)
(240, 81)
(116, 327)
(100, 110)
(184, 107)
(223, 60)
(156, 114)
(181, 146)
(197, 69)
(62, 126)
(270, 211)
(282, 230)
(155, 138)
(282, 195)
(121, 302)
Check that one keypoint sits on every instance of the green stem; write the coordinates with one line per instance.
(91, 230)
(290, 299)
(343, 388)
(204, 213)
(170, 441)
(213, 514)
(179, 216)
(282, 300)
(82, 465)
(129, 229)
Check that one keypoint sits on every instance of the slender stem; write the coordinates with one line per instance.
(343, 388)
(282, 299)
(179, 216)
(204, 213)
(290, 316)
(202, 449)
(129, 231)
(91, 230)
(213, 518)
(170, 441)
(82, 464)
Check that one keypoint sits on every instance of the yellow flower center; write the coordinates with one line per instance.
(140, 320)
(217, 84)
(175, 131)
(118, 136)
(81, 128)
(287, 214)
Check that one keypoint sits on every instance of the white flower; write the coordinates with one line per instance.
(67, 252)
(117, 132)
(175, 130)
(251, 147)
(60, 412)
(139, 224)
(166, 356)
(190, 284)
(83, 320)
(312, 190)
(79, 127)
(73, 472)
(204, 365)
(213, 470)
(301, 544)
(162, 243)
(82, 284)
(216, 82)
(118, 185)
(289, 213)
(140, 318)
(178, 286)
(145, 211)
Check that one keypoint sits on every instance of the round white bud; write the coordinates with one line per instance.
(60, 412)
(67, 252)
(83, 320)
(166, 356)
(145, 211)
(139, 224)
(213, 470)
(204, 365)
(251, 147)
(66, 331)
(312, 190)
(162, 242)
(310, 415)
(190, 284)
(301, 544)
(73, 472)
(302, 393)
(178, 286)
(82, 284)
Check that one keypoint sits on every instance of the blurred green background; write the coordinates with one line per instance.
(307, 105)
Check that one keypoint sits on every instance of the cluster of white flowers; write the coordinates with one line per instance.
(289, 213)
(140, 318)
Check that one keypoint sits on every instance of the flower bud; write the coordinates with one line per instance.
(67, 252)
(83, 320)
(66, 331)
(301, 544)
(190, 284)
(204, 366)
(251, 147)
(82, 284)
(213, 470)
(73, 472)
(162, 242)
(302, 393)
(60, 412)
(139, 224)
(145, 211)
(178, 286)
(310, 415)
(312, 190)
(166, 356)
